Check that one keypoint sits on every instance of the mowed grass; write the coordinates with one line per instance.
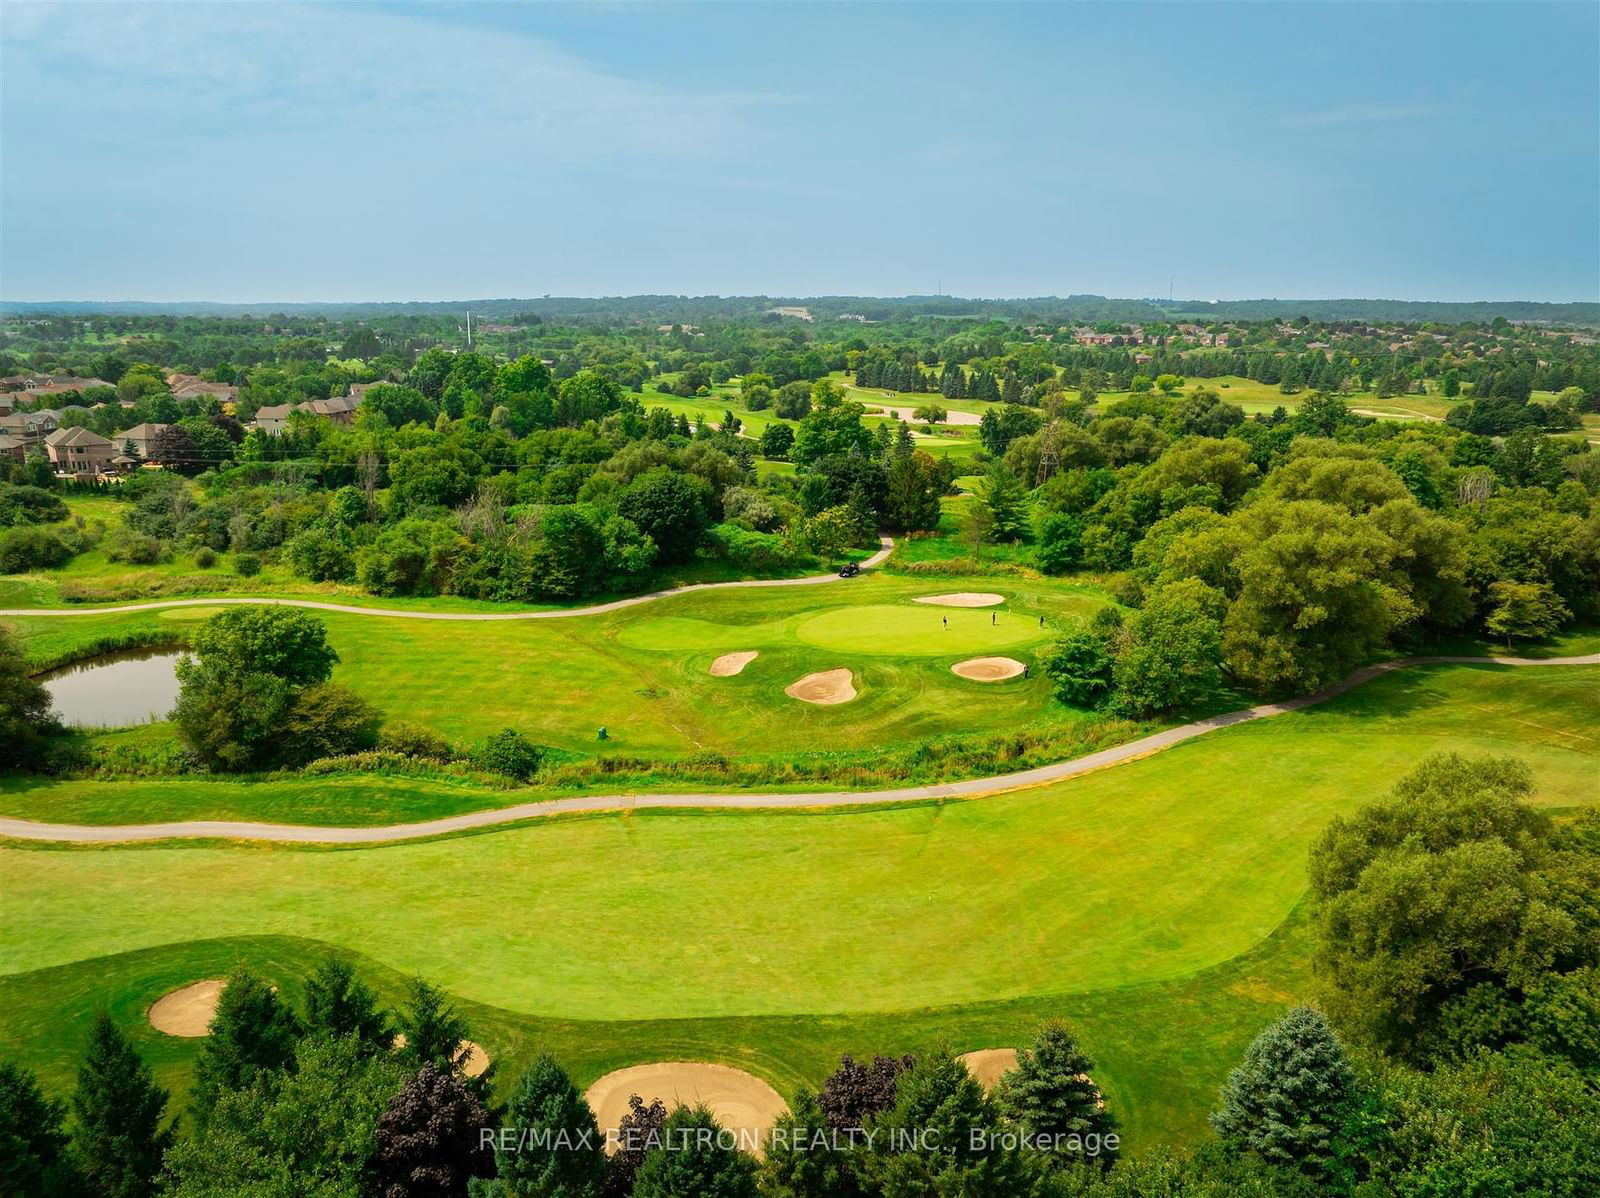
(1147, 871)
(1153, 904)
(1161, 1049)
(642, 672)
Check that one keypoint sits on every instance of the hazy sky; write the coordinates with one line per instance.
(280, 152)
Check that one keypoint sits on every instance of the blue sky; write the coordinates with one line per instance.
(279, 152)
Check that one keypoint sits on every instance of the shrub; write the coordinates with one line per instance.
(413, 740)
(205, 558)
(328, 721)
(30, 548)
(124, 544)
(509, 752)
(246, 565)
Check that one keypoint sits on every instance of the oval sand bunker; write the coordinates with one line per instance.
(730, 664)
(187, 1011)
(987, 669)
(988, 1064)
(741, 1102)
(826, 688)
(962, 599)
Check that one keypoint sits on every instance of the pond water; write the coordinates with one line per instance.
(131, 687)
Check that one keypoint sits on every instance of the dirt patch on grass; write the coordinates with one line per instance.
(825, 689)
(730, 664)
(740, 1101)
(962, 599)
(987, 669)
(187, 1011)
(987, 1064)
(1260, 990)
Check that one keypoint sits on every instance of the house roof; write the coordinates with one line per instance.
(9, 442)
(276, 411)
(77, 436)
(140, 432)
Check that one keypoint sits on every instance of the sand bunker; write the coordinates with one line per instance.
(908, 412)
(187, 1011)
(987, 1064)
(826, 688)
(744, 1104)
(987, 669)
(730, 664)
(477, 1059)
(962, 599)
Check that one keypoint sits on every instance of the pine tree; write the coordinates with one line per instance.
(563, 1156)
(1051, 1094)
(339, 1004)
(429, 1142)
(251, 1033)
(33, 1144)
(1002, 498)
(117, 1137)
(435, 1033)
(695, 1161)
(1288, 1099)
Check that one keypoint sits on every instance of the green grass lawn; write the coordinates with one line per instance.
(1153, 903)
(643, 671)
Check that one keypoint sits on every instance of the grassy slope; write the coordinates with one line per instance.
(1160, 1047)
(1140, 902)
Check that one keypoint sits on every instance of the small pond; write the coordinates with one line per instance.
(131, 687)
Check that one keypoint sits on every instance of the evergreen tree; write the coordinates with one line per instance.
(251, 1033)
(33, 1145)
(1051, 1095)
(117, 1137)
(1287, 1101)
(693, 1161)
(435, 1034)
(940, 1138)
(911, 501)
(429, 1139)
(340, 1004)
(562, 1155)
(807, 1158)
(1002, 496)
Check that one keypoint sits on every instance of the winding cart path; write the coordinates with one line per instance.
(297, 833)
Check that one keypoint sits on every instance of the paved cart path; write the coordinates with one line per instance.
(297, 833)
(886, 547)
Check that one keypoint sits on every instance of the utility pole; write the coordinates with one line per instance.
(469, 329)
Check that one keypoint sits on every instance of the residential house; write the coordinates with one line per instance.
(143, 438)
(29, 427)
(340, 409)
(11, 447)
(79, 452)
(192, 386)
(272, 419)
(48, 386)
(5, 405)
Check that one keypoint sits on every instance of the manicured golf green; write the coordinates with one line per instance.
(643, 672)
(913, 630)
